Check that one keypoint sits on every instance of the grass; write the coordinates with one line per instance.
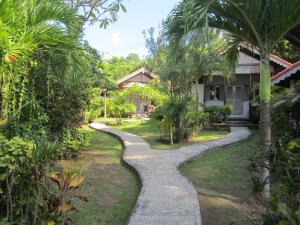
(111, 187)
(223, 183)
(149, 130)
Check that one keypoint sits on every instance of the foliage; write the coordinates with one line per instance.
(95, 106)
(145, 94)
(117, 67)
(22, 169)
(242, 21)
(64, 193)
(286, 50)
(153, 45)
(118, 107)
(47, 72)
(180, 65)
(71, 141)
(181, 115)
(284, 158)
(286, 119)
(218, 114)
(98, 11)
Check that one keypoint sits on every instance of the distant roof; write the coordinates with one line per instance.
(286, 73)
(137, 72)
(274, 58)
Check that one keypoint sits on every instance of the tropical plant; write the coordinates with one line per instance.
(119, 107)
(261, 24)
(218, 114)
(98, 11)
(62, 195)
(116, 67)
(146, 94)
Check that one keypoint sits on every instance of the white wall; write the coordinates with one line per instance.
(200, 92)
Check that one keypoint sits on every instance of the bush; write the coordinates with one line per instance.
(284, 167)
(118, 107)
(95, 106)
(23, 167)
(218, 114)
(71, 142)
(184, 115)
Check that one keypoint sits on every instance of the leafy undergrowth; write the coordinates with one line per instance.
(149, 130)
(223, 183)
(111, 188)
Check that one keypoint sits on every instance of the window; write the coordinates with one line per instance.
(214, 92)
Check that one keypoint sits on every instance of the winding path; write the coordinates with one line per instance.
(167, 197)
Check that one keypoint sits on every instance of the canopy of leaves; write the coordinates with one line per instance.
(117, 67)
(146, 94)
(103, 12)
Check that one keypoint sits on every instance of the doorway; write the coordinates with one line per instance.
(234, 97)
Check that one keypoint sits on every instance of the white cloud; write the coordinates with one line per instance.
(116, 39)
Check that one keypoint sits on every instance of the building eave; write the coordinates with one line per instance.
(286, 73)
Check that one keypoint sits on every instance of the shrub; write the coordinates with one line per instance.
(119, 108)
(183, 115)
(218, 114)
(71, 142)
(95, 106)
(23, 165)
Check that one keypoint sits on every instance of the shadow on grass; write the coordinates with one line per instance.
(223, 183)
(111, 187)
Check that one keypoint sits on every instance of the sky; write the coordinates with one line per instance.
(125, 36)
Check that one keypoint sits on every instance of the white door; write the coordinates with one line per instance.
(234, 97)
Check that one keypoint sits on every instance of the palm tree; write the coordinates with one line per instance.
(28, 28)
(261, 23)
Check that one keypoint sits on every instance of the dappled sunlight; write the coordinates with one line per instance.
(138, 157)
(110, 187)
(173, 189)
(136, 144)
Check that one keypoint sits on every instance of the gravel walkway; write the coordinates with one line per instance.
(166, 198)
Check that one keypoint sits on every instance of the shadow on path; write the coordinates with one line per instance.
(167, 197)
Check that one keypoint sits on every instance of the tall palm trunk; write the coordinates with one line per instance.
(265, 117)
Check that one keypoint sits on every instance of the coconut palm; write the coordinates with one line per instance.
(261, 23)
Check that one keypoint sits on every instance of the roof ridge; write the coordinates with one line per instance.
(134, 73)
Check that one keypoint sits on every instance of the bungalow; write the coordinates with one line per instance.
(238, 91)
(141, 77)
(287, 77)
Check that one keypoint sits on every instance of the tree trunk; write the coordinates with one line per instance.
(171, 134)
(265, 118)
(105, 116)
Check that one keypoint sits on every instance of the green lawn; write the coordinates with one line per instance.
(223, 182)
(150, 132)
(111, 187)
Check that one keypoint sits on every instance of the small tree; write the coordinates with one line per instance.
(118, 107)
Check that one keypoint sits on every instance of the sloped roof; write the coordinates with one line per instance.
(286, 73)
(273, 58)
(137, 72)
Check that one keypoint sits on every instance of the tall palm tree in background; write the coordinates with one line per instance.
(261, 23)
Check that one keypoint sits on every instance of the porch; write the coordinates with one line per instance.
(239, 92)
